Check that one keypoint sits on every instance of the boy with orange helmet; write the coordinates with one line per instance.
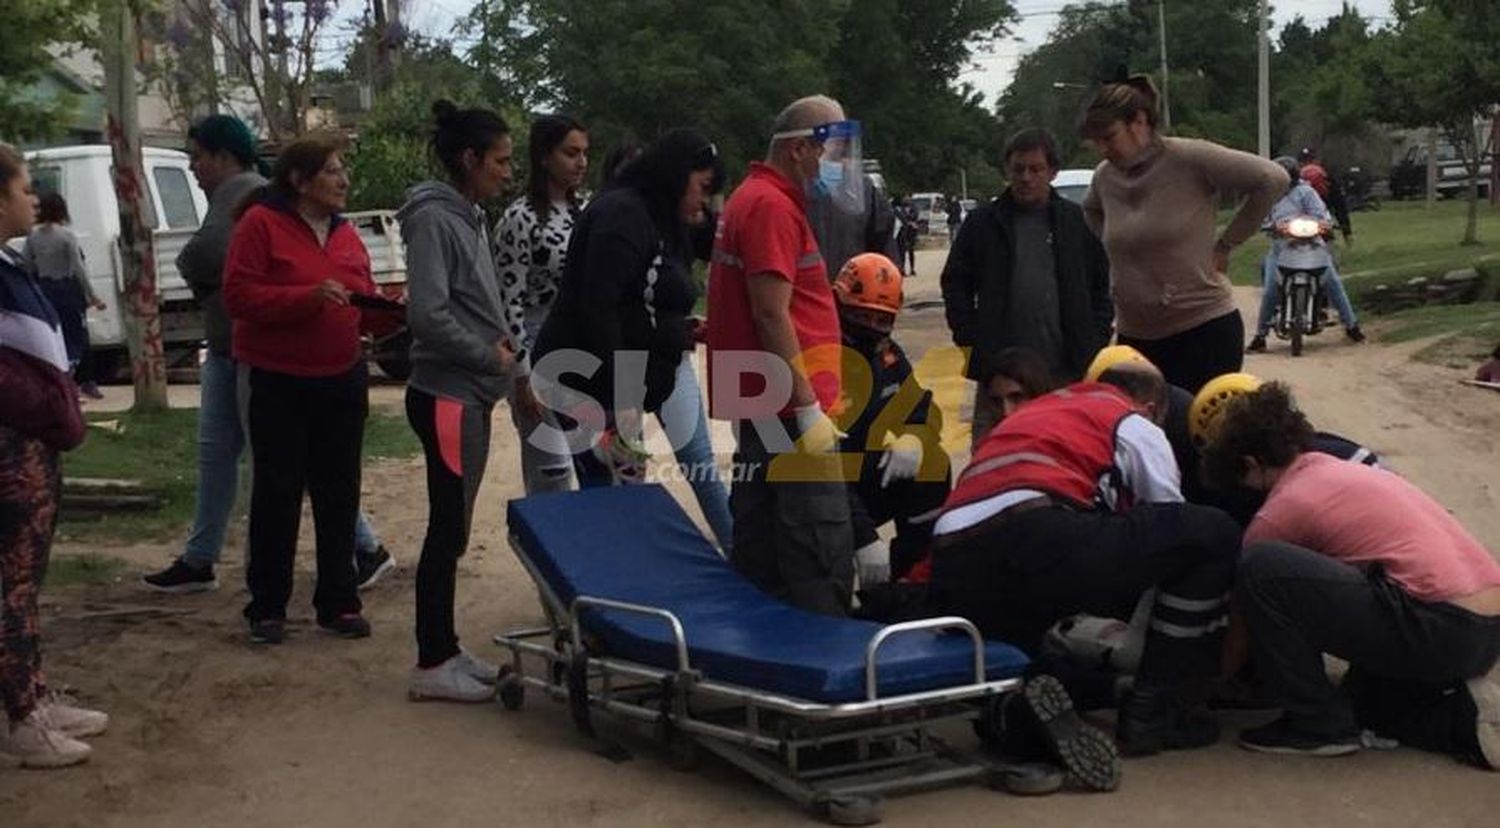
(893, 429)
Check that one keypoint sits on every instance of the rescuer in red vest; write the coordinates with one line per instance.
(1071, 505)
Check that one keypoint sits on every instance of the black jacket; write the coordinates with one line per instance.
(976, 283)
(624, 289)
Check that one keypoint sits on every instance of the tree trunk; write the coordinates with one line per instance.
(1473, 160)
(137, 259)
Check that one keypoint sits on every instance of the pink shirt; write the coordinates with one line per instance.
(1359, 514)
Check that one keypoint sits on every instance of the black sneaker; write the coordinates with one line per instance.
(1354, 333)
(1087, 753)
(181, 578)
(1257, 345)
(372, 566)
(348, 625)
(268, 631)
(1281, 736)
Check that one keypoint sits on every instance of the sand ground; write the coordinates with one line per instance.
(208, 731)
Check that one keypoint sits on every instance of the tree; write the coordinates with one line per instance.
(893, 68)
(32, 28)
(1438, 65)
(219, 51)
(639, 67)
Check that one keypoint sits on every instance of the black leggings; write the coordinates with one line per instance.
(1191, 358)
(456, 439)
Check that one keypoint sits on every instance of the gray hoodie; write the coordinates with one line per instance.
(454, 308)
(201, 261)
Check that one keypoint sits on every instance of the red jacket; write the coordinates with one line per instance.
(1317, 178)
(271, 274)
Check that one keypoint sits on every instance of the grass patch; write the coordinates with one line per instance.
(160, 449)
(1468, 333)
(1400, 241)
(89, 568)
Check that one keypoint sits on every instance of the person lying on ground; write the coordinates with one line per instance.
(1389, 581)
(902, 473)
(1072, 504)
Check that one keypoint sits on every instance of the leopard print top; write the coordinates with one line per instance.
(529, 259)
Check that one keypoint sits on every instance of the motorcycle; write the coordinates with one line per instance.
(1301, 264)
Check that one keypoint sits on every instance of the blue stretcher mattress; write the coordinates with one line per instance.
(635, 544)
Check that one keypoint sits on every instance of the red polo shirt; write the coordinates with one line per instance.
(764, 229)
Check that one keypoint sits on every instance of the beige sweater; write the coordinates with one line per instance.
(1156, 219)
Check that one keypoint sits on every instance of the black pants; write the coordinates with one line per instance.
(306, 435)
(792, 536)
(66, 296)
(1408, 658)
(456, 440)
(1016, 577)
(912, 504)
(1191, 358)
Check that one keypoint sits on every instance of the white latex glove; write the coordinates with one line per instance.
(816, 433)
(872, 562)
(902, 459)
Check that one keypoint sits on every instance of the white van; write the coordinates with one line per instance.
(84, 176)
(176, 207)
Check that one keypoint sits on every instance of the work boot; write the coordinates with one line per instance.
(1155, 718)
(1257, 345)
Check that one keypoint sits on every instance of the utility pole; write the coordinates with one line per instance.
(142, 309)
(1166, 96)
(1264, 96)
(382, 45)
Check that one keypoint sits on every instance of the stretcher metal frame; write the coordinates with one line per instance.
(836, 760)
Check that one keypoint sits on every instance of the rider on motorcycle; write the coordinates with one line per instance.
(1300, 200)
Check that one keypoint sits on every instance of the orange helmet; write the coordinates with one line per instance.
(869, 281)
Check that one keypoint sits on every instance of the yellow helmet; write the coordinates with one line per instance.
(1110, 356)
(1207, 410)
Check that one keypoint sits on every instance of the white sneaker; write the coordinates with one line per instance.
(38, 745)
(449, 681)
(65, 715)
(478, 668)
(1485, 690)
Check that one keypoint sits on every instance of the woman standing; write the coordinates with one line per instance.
(627, 289)
(461, 362)
(1154, 204)
(53, 254)
(292, 266)
(43, 730)
(531, 247)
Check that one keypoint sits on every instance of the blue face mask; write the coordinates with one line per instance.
(830, 175)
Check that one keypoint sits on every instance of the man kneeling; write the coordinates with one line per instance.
(1356, 562)
(1072, 505)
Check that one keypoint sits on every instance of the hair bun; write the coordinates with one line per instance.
(443, 110)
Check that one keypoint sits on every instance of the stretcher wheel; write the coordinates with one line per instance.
(852, 810)
(509, 688)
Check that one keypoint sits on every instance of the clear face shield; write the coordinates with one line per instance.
(841, 173)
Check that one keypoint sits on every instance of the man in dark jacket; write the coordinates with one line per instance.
(1026, 271)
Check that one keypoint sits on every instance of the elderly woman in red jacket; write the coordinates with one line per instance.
(293, 265)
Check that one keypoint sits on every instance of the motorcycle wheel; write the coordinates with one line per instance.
(1299, 318)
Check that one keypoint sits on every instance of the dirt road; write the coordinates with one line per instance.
(208, 731)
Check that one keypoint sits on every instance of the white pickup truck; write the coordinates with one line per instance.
(176, 206)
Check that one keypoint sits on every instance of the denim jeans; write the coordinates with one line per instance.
(221, 443)
(686, 424)
(1270, 297)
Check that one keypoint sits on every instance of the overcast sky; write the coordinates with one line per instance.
(990, 73)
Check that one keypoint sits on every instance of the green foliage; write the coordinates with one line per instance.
(89, 568)
(31, 27)
(391, 153)
(891, 69)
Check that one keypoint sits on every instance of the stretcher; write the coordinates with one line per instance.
(647, 622)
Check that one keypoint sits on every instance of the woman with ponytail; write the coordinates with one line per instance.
(461, 363)
(1154, 204)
